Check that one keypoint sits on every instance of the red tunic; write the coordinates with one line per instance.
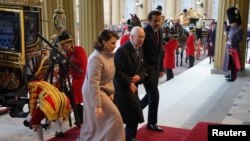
(80, 59)
(190, 45)
(169, 56)
(124, 39)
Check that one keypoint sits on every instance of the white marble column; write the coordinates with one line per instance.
(170, 9)
(116, 16)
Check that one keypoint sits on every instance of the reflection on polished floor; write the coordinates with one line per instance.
(192, 96)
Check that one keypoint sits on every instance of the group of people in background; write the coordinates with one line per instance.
(109, 81)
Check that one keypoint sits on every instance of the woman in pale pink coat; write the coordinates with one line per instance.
(101, 118)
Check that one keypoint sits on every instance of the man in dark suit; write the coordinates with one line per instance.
(153, 58)
(129, 73)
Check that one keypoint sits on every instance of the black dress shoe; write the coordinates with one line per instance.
(227, 76)
(230, 79)
(133, 139)
(154, 127)
(59, 134)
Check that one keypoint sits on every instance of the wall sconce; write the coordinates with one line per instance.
(59, 19)
(138, 4)
(200, 3)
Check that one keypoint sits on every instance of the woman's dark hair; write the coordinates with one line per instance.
(153, 13)
(105, 35)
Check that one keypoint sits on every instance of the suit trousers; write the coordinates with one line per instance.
(152, 95)
(131, 130)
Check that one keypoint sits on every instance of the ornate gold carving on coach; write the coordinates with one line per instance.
(11, 57)
(11, 60)
(22, 2)
(32, 49)
(11, 65)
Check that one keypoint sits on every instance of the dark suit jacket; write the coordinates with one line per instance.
(127, 64)
(153, 54)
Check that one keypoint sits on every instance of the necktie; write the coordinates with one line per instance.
(137, 52)
(156, 38)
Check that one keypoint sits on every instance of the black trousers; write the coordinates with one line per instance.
(152, 95)
(232, 68)
(131, 130)
(191, 61)
(170, 74)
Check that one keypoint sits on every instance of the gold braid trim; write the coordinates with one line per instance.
(59, 99)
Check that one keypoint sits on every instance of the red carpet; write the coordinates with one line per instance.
(199, 132)
(70, 135)
(169, 134)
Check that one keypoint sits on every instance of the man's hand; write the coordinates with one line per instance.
(133, 88)
(136, 78)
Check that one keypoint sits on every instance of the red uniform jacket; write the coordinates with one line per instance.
(169, 56)
(190, 45)
(80, 59)
(124, 39)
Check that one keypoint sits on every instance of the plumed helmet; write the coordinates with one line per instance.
(64, 37)
(192, 29)
(134, 21)
(233, 15)
(159, 7)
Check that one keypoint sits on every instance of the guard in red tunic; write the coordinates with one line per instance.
(78, 56)
(169, 56)
(190, 46)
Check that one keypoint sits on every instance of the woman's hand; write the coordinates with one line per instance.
(98, 112)
(111, 97)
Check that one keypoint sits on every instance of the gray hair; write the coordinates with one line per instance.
(135, 30)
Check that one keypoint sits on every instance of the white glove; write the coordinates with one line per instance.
(28, 118)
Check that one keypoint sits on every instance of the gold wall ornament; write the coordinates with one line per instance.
(22, 2)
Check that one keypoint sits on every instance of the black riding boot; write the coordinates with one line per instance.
(177, 59)
(181, 56)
